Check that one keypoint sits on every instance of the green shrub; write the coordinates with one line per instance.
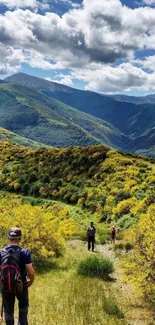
(118, 247)
(152, 298)
(128, 246)
(122, 195)
(102, 239)
(111, 308)
(126, 221)
(82, 235)
(119, 236)
(94, 266)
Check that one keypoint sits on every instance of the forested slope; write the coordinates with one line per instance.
(104, 181)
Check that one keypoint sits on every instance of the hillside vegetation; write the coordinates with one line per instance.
(133, 117)
(17, 139)
(109, 184)
(35, 116)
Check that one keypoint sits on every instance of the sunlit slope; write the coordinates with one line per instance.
(132, 116)
(17, 139)
(35, 116)
(105, 182)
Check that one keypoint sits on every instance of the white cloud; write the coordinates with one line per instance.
(147, 62)
(69, 3)
(88, 40)
(149, 2)
(64, 79)
(107, 79)
(12, 4)
(10, 59)
(102, 31)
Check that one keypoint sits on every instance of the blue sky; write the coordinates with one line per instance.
(106, 46)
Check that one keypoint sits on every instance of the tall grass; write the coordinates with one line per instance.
(94, 266)
(60, 297)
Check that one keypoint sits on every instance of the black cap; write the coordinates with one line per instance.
(15, 233)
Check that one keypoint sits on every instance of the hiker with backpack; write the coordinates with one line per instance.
(113, 234)
(91, 231)
(17, 274)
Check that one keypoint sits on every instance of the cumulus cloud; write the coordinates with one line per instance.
(90, 39)
(108, 79)
(101, 31)
(149, 2)
(63, 79)
(10, 59)
(70, 3)
(12, 4)
(147, 62)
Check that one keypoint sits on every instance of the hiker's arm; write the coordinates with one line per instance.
(30, 272)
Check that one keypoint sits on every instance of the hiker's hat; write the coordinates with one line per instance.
(15, 233)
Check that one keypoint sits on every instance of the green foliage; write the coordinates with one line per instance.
(30, 114)
(102, 239)
(64, 174)
(119, 246)
(128, 246)
(95, 267)
(44, 228)
(111, 308)
(126, 221)
(139, 266)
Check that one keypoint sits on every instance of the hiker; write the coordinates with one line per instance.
(91, 230)
(113, 234)
(17, 274)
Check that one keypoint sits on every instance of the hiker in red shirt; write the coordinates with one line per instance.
(113, 234)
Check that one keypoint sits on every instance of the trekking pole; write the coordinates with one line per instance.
(2, 307)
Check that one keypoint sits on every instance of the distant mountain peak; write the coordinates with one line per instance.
(128, 117)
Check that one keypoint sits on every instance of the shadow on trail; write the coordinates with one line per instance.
(44, 267)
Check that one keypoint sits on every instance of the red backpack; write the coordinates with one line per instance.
(10, 269)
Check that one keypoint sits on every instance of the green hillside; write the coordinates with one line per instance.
(103, 181)
(57, 192)
(17, 139)
(35, 116)
(122, 112)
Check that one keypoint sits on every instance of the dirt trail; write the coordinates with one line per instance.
(136, 309)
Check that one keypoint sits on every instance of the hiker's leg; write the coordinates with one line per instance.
(89, 243)
(93, 243)
(23, 303)
(8, 303)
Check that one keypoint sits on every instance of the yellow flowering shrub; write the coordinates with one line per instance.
(44, 228)
(140, 265)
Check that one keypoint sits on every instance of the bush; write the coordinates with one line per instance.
(119, 235)
(102, 239)
(152, 298)
(95, 267)
(128, 246)
(126, 221)
(111, 308)
(118, 247)
(44, 232)
(82, 235)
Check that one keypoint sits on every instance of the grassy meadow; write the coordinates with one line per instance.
(52, 195)
(60, 296)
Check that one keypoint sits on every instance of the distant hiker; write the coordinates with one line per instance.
(113, 234)
(91, 230)
(17, 274)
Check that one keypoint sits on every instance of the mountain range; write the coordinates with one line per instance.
(56, 115)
